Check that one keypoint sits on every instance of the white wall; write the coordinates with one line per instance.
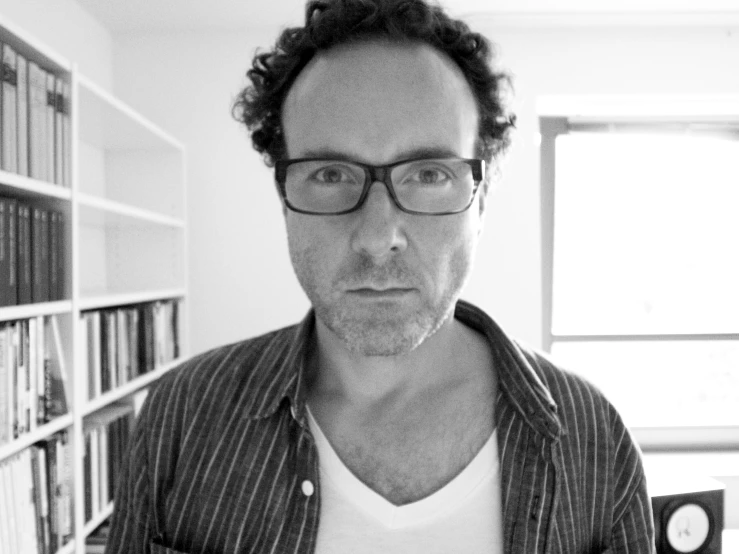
(241, 282)
(67, 29)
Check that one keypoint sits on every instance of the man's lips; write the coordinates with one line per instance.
(383, 292)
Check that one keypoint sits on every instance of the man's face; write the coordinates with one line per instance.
(379, 279)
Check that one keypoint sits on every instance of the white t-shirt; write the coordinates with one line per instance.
(463, 516)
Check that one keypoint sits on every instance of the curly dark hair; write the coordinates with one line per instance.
(329, 23)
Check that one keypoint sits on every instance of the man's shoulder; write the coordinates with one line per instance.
(573, 393)
(226, 365)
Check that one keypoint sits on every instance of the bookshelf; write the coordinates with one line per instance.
(122, 252)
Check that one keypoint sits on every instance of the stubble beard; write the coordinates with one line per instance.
(382, 328)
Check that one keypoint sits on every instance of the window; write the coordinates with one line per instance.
(641, 271)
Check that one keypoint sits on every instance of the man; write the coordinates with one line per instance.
(395, 417)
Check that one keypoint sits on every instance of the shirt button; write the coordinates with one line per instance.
(308, 488)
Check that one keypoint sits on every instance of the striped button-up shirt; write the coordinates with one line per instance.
(222, 459)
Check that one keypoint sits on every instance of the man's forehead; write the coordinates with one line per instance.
(376, 88)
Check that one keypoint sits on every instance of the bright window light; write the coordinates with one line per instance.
(646, 242)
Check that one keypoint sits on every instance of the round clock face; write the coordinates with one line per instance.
(688, 528)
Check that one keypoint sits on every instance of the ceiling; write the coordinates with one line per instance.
(125, 16)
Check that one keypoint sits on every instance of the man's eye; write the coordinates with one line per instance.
(428, 176)
(333, 175)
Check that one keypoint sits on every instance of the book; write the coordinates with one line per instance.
(61, 257)
(24, 253)
(39, 255)
(41, 497)
(50, 120)
(54, 267)
(59, 132)
(4, 262)
(36, 121)
(66, 136)
(9, 131)
(5, 390)
(87, 476)
(44, 266)
(58, 400)
(10, 279)
(5, 530)
(50, 445)
(22, 115)
(33, 384)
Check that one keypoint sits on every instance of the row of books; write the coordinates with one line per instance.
(123, 343)
(106, 440)
(32, 259)
(33, 379)
(35, 133)
(36, 498)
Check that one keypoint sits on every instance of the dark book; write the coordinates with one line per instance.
(104, 361)
(24, 254)
(87, 481)
(4, 262)
(39, 502)
(40, 255)
(44, 243)
(61, 257)
(52, 479)
(11, 242)
(53, 256)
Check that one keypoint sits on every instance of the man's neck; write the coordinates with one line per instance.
(366, 380)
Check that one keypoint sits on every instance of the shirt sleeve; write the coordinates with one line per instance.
(633, 527)
(130, 531)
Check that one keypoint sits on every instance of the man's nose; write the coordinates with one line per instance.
(379, 230)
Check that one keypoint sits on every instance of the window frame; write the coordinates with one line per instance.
(650, 439)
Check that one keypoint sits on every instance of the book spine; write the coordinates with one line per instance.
(87, 465)
(33, 384)
(11, 232)
(4, 285)
(61, 257)
(105, 361)
(50, 120)
(36, 95)
(53, 238)
(22, 116)
(13, 368)
(5, 531)
(67, 135)
(51, 476)
(44, 384)
(5, 390)
(9, 152)
(59, 132)
(24, 254)
(36, 255)
(44, 264)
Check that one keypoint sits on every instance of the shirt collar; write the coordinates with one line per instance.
(283, 367)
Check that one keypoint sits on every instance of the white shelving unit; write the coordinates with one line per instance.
(125, 238)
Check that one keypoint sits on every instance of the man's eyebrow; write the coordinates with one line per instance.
(420, 152)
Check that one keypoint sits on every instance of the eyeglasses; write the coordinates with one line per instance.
(426, 186)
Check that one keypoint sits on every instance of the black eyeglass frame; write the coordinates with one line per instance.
(380, 173)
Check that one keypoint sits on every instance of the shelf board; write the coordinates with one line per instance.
(32, 48)
(108, 123)
(19, 185)
(110, 300)
(127, 389)
(101, 210)
(27, 311)
(97, 519)
(40, 433)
